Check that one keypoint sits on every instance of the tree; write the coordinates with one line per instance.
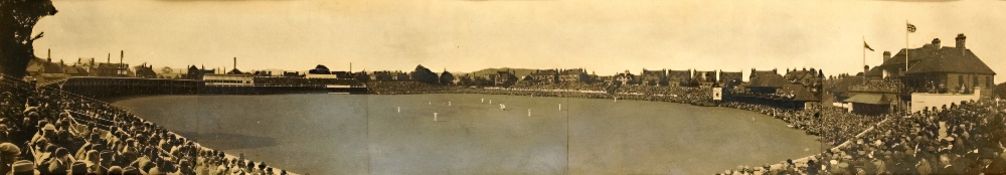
(18, 18)
(466, 80)
(362, 76)
(424, 75)
(320, 69)
(446, 78)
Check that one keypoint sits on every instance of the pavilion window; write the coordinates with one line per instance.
(960, 79)
(974, 80)
(989, 81)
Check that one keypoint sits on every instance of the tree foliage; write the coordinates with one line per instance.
(446, 78)
(17, 19)
(424, 75)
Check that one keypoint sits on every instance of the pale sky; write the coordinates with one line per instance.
(463, 36)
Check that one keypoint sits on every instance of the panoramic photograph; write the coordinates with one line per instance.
(502, 87)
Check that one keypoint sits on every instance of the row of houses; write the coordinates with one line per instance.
(682, 78)
(556, 76)
(801, 88)
(47, 69)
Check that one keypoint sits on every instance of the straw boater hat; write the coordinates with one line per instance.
(23, 166)
(115, 170)
(9, 150)
(49, 128)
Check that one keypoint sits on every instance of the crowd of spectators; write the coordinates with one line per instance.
(965, 138)
(686, 95)
(877, 86)
(833, 125)
(49, 131)
(404, 87)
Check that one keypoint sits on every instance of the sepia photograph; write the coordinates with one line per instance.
(502, 87)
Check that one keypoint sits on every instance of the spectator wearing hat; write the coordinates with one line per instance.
(115, 170)
(997, 166)
(78, 168)
(5, 133)
(8, 153)
(23, 167)
(812, 167)
(55, 167)
(155, 171)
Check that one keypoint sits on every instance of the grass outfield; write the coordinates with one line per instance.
(365, 134)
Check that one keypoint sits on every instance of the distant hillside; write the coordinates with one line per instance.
(519, 72)
(1000, 90)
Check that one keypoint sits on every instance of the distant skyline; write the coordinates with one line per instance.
(465, 36)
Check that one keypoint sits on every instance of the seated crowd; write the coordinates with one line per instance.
(832, 125)
(48, 131)
(959, 139)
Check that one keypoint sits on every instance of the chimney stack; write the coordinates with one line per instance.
(235, 63)
(122, 54)
(48, 55)
(887, 55)
(108, 59)
(960, 41)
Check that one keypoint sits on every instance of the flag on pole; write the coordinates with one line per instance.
(911, 28)
(867, 46)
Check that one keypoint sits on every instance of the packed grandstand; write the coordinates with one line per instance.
(963, 138)
(50, 131)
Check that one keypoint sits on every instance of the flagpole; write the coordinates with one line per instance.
(906, 49)
(864, 59)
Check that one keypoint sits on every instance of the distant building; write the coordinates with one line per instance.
(145, 71)
(39, 66)
(389, 76)
(770, 88)
(112, 70)
(874, 97)
(547, 76)
(940, 69)
(321, 76)
(812, 78)
(765, 82)
(653, 77)
(75, 70)
(503, 78)
(573, 76)
(229, 80)
(85, 62)
(109, 69)
(195, 73)
(731, 78)
(625, 78)
(679, 78)
(705, 78)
